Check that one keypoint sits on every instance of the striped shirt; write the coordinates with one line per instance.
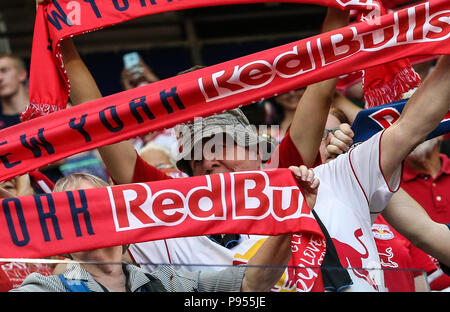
(173, 280)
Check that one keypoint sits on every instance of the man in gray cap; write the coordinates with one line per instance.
(202, 145)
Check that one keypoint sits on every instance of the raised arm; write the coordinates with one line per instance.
(266, 267)
(412, 221)
(119, 158)
(309, 121)
(422, 114)
(409, 218)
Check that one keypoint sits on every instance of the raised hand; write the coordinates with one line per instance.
(308, 182)
(338, 142)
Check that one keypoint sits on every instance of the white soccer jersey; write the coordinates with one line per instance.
(351, 194)
(194, 253)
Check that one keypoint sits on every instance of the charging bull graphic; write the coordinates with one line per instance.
(351, 258)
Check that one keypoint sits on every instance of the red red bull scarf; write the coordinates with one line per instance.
(258, 202)
(56, 21)
(40, 141)
(389, 95)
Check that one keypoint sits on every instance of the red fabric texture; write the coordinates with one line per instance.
(12, 274)
(392, 4)
(124, 214)
(286, 154)
(42, 181)
(48, 85)
(396, 257)
(53, 24)
(144, 172)
(387, 83)
(431, 193)
(348, 80)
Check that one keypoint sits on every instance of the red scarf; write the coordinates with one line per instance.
(385, 83)
(224, 86)
(55, 21)
(348, 80)
(388, 82)
(66, 222)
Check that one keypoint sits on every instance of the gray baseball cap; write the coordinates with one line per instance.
(232, 123)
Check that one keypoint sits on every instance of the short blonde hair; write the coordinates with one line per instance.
(75, 179)
(156, 147)
(18, 62)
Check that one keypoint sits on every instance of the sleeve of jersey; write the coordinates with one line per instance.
(365, 164)
(286, 154)
(144, 172)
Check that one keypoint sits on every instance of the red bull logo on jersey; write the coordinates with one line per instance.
(386, 257)
(382, 231)
(351, 258)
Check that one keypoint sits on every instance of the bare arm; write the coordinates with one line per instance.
(311, 115)
(422, 114)
(119, 158)
(266, 267)
(412, 221)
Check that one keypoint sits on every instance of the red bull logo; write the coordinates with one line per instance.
(353, 259)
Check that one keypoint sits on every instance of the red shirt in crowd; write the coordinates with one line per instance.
(432, 194)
